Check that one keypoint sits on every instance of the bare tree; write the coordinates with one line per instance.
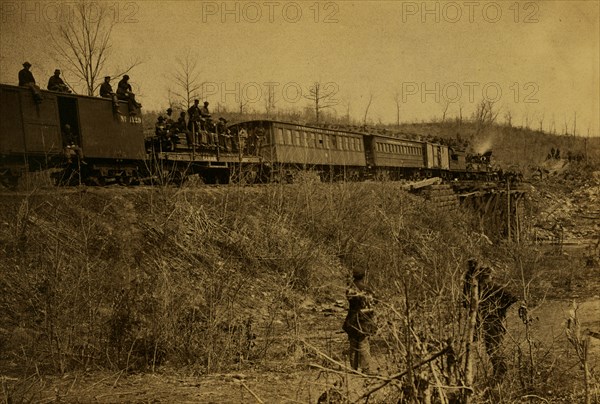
(82, 43)
(242, 104)
(367, 109)
(270, 101)
(397, 100)
(348, 113)
(461, 106)
(508, 118)
(444, 104)
(484, 115)
(322, 96)
(187, 80)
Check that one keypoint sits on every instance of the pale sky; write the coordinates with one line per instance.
(538, 60)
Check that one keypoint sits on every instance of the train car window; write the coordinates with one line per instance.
(358, 145)
(279, 136)
(320, 141)
(334, 144)
(326, 142)
(297, 137)
(288, 137)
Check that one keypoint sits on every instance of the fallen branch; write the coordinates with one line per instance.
(402, 374)
(257, 398)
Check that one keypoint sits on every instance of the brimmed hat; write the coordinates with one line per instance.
(106, 77)
(57, 71)
(26, 64)
(126, 77)
(205, 102)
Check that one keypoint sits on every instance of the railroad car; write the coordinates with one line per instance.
(286, 148)
(32, 134)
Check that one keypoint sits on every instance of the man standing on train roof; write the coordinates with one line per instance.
(26, 79)
(55, 83)
(125, 92)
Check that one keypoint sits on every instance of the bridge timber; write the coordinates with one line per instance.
(499, 206)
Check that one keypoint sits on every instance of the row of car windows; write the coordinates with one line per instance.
(317, 140)
(398, 149)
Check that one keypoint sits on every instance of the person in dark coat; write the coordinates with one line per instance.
(194, 118)
(494, 301)
(25, 76)
(55, 83)
(106, 91)
(26, 79)
(182, 128)
(360, 321)
(125, 92)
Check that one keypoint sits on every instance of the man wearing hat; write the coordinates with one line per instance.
(205, 115)
(26, 80)
(55, 83)
(360, 322)
(25, 76)
(224, 134)
(169, 119)
(125, 92)
(106, 91)
(194, 118)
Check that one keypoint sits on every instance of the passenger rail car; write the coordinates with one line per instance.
(286, 148)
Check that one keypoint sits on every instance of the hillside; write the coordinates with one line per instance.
(205, 294)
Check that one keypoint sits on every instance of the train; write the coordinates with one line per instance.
(115, 148)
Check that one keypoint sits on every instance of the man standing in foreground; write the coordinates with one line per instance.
(360, 321)
(493, 303)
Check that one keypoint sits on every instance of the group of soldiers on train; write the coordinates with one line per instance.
(201, 133)
(56, 83)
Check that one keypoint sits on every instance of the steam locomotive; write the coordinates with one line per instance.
(116, 149)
